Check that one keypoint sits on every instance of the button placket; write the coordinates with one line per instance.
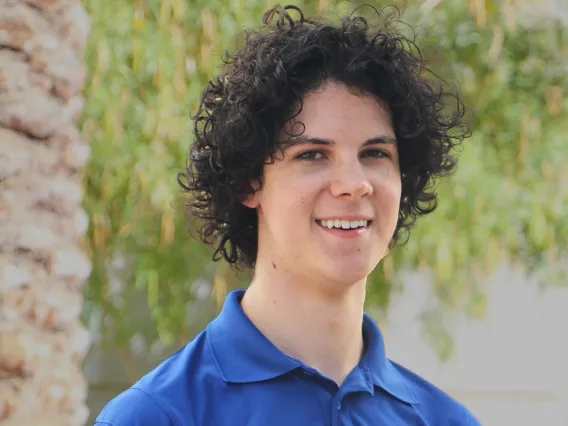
(336, 408)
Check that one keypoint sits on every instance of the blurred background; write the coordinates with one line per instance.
(99, 279)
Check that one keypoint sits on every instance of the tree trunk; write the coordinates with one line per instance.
(42, 224)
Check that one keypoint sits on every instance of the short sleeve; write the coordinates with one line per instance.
(134, 407)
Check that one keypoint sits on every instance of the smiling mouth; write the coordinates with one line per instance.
(344, 224)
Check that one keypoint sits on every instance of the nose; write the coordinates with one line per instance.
(351, 182)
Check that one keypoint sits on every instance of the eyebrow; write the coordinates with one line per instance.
(306, 139)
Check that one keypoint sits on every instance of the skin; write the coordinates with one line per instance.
(308, 277)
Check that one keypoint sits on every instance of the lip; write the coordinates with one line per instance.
(346, 217)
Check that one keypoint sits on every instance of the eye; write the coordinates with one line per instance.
(310, 155)
(375, 153)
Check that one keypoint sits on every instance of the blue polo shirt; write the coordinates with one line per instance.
(231, 375)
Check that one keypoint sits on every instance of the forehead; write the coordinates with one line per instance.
(333, 111)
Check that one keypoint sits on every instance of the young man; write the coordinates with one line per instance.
(315, 149)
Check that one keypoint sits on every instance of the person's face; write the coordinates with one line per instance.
(328, 209)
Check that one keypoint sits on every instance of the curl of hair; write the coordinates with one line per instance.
(242, 110)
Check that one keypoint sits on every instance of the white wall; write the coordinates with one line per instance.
(509, 368)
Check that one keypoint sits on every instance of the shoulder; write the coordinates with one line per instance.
(433, 404)
(134, 407)
(165, 394)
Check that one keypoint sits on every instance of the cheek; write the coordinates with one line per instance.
(299, 189)
(289, 195)
(388, 193)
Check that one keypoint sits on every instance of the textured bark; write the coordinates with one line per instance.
(42, 224)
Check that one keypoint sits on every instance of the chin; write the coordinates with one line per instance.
(346, 274)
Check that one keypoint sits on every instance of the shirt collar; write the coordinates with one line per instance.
(243, 354)
(240, 350)
(381, 370)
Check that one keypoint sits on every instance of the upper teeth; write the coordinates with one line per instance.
(345, 224)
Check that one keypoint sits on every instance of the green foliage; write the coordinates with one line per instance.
(148, 62)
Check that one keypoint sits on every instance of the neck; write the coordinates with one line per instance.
(321, 329)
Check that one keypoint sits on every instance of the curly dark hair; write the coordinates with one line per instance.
(243, 109)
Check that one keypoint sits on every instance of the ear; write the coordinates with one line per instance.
(252, 201)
